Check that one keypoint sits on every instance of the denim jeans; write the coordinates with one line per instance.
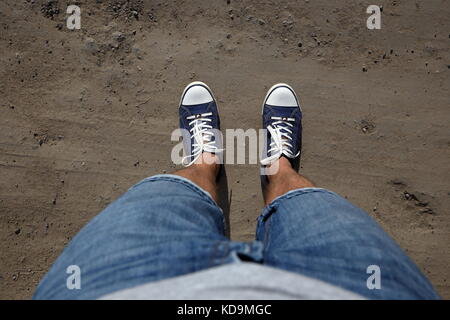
(166, 226)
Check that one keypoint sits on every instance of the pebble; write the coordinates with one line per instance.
(118, 36)
(261, 22)
(91, 45)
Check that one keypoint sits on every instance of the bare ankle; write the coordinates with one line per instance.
(203, 173)
(284, 180)
(209, 163)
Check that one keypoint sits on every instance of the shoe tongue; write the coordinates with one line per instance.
(282, 112)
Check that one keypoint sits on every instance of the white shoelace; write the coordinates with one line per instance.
(280, 136)
(201, 132)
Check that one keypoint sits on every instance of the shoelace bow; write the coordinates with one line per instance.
(201, 132)
(280, 134)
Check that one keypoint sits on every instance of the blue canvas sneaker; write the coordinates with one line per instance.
(200, 122)
(282, 118)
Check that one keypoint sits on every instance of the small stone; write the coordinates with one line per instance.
(91, 45)
(397, 182)
(427, 210)
(17, 231)
(410, 196)
(118, 36)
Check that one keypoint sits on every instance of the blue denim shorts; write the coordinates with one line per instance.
(166, 226)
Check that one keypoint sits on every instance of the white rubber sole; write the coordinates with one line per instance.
(275, 87)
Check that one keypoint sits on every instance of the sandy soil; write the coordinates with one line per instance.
(85, 114)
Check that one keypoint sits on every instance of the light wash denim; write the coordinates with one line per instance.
(166, 226)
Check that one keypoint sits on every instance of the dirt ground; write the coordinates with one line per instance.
(87, 113)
